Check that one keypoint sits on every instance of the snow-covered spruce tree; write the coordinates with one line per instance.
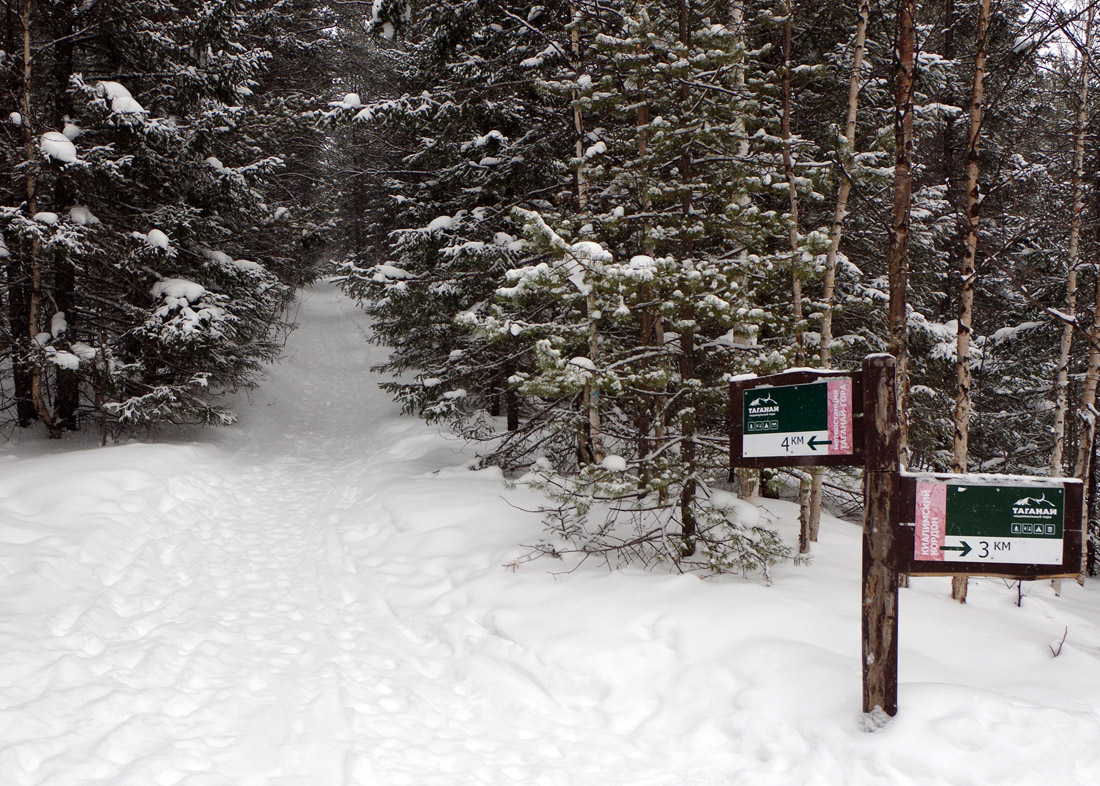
(474, 136)
(630, 504)
(144, 167)
(672, 276)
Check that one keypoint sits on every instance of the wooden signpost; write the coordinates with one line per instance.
(1019, 527)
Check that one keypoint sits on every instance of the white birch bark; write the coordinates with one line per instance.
(968, 270)
(1061, 382)
(836, 232)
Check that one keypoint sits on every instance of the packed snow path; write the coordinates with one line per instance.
(326, 596)
(265, 616)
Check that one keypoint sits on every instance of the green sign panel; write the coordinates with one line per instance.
(798, 420)
(958, 522)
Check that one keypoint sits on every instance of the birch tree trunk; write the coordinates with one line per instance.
(836, 231)
(36, 299)
(1065, 348)
(968, 271)
(590, 441)
(792, 189)
(1061, 382)
(748, 480)
(1087, 412)
(804, 489)
(844, 189)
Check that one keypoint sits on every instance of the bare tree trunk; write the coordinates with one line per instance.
(1091, 523)
(968, 271)
(17, 270)
(1061, 382)
(1087, 412)
(590, 448)
(844, 190)
(18, 266)
(511, 400)
(748, 480)
(804, 513)
(578, 118)
(903, 194)
(35, 301)
(649, 414)
(1065, 348)
(688, 426)
(836, 231)
(792, 190)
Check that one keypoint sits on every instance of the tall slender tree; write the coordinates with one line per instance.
(903, 190)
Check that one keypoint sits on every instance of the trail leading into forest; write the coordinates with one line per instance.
(281, 603)
(326, 596)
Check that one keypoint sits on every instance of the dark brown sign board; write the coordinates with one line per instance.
(1008, 526)
(806, 418)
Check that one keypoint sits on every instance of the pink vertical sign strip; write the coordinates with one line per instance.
(931, 521)
(839, 406)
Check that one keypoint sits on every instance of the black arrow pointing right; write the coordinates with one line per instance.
(964, 548)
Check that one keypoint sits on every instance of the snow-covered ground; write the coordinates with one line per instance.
(325, 596)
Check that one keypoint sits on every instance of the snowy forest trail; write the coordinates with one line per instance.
(326, 595)
(259, 625)
(316, 597)
(242, 633)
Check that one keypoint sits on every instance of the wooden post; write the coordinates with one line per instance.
(882, 446)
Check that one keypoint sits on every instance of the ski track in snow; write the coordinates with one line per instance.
(316, 598)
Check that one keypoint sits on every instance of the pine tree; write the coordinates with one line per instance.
(666, 280)
(477, 137)
(149, 168)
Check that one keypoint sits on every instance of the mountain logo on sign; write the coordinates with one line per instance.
(1035, 507)
(763, 406)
